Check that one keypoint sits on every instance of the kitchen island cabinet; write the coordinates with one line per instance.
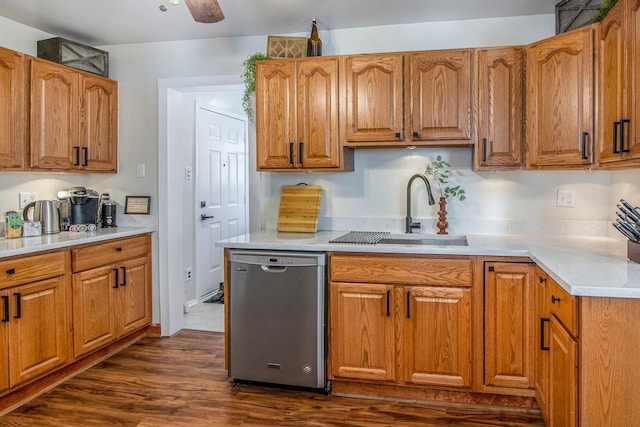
(560, 101)
(13, 102)
(34, 323)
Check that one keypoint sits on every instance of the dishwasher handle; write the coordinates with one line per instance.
(274, 268)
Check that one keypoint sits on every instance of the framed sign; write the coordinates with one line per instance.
(137, 205)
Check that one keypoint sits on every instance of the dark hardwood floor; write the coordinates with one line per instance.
(181, 381)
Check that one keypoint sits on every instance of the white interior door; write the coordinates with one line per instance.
(220, 191)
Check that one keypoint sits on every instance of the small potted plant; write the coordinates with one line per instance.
(439, 170)
(249, 80)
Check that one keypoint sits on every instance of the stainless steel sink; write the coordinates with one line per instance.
(443, 240)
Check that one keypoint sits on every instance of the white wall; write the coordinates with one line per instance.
(377, 187)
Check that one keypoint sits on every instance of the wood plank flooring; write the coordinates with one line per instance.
(181, 381)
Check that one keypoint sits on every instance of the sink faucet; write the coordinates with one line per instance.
(409, 224)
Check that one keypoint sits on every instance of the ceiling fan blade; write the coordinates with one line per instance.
(206, 11)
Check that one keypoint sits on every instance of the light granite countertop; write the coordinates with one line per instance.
(27, 245)
(584, 266)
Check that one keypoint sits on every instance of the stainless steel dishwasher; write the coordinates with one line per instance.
(277, 327)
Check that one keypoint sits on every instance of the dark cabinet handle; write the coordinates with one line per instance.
(484, 149)
(554, 299)
(398, 135)
(119, 249)
(85, 154)
(11, 271)
(124, 276)
(5, 303)
(18, 305)
(115, 285)
(300, 151)
(543, 320)
(388, 304)
(76, 156)
(291, 152)
(585, 136)
(416, 135)
(615, 137)
(408, 305)
(542, 280)
(622, 149)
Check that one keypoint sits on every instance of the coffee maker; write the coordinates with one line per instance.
(79, 206)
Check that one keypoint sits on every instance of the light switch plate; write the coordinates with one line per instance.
(140, 170)
(566, 199)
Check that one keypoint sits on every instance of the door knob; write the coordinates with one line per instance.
(204, 217)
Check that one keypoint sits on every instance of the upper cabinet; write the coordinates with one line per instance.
(297, 116)
(618, 80)
(13, 105)
(73, 119)
(560, 100)
(438, 97)
(499, 112)
(414, 98)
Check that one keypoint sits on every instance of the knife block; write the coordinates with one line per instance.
(633, 251)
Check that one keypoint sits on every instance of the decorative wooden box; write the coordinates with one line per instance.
(286, 47)
(75, 55)
(572, 14)
(633, 251)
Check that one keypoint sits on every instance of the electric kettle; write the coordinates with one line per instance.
(46, 212)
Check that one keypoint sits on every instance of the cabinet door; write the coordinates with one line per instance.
(37, 329)
(54, 116)
(633, 83)
(13, 104)
(275, 114)
(560, 78)
(563, 368)
(98, 124)
(437, 336)
(542, 342)
(373, 98)
(439, 95)
(94, 309)
(509, 324)
(317, 126)
(4, 336)
(361, 341)
(133, 295)
(500, 111)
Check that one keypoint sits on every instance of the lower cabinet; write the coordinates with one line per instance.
(111, 292)
(33, 297)
(402, 320)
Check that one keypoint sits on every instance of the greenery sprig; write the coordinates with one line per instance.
(249, 80)
(439, 169)
(606, 6)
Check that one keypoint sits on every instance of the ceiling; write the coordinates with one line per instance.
(101, 23)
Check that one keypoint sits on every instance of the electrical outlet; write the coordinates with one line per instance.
(140, 170)
(26, 198)
(188, 174)
(187, 274)
(566, 199)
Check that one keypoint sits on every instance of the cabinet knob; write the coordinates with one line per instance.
(416, 135)
(554, 299)
(11, 271)
(118, 249)
(542, 280)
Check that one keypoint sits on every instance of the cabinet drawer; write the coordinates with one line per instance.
(103, 253)
(563, 306)
(32, 268)
(401, 269)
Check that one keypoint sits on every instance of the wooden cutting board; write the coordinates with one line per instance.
(299, 208)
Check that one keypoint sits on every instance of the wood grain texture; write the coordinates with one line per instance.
(92, 255)
(299, 208)
(180, 381)
(13, 101)
(25, 269)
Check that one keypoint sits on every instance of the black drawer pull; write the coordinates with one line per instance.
(85, 152)
(11, 271)
(115, 285)
(76, 156)
(5, 303)
(542, 280)
(118, 249)
(554, 299)
(301, 153)
(124, 276)
(484, 149)
(388, 307)
(416, 135)
(291, 152)
(408, 305)
(18, 305)
(543, 320)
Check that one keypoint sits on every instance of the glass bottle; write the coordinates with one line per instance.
(314, 46)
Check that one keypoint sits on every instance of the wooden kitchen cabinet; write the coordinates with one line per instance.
(404, 320)
(509, 315)
(373, 98)
(499, 112)
(34, 323)
(13, 102)
(297, 116)
(73, 119)
(362, 331)
(618, 144)
(111, 291)
(560, 101)
(438, 88)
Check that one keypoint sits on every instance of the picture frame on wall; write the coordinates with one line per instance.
(137, 205)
